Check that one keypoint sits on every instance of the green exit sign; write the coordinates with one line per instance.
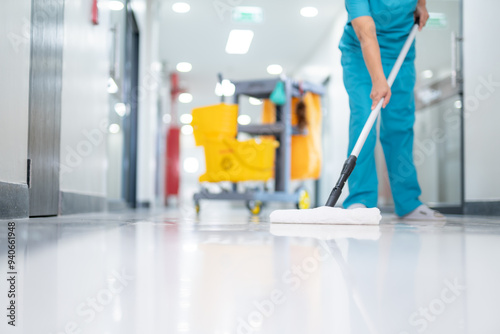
(437, 21)
(248, 15)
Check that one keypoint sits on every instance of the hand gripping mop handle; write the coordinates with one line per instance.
(351, 161)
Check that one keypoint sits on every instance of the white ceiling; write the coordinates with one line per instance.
(285, 38)
(200, 36)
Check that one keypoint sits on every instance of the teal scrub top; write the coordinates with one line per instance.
(393, 21)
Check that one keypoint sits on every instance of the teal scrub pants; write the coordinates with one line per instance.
(396, 136)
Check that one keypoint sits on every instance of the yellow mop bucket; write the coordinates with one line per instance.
(237, 161)
(227, 159)
(215, 122)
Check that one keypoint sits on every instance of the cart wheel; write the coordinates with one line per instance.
(304, 200)
(255, 207)
(197, 208)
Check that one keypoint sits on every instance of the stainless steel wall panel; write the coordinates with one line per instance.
(45, 105)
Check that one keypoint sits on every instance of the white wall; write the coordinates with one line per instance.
(482, 101)
(86, 100)
(115, 159)
(85, 105)
(15, 21)
(150, 81)
(324, 62)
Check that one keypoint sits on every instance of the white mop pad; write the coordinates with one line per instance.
(327, 215)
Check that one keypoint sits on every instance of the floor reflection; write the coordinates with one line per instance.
(171, 272)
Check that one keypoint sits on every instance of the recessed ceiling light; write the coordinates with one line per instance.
(115, 5)
(185, 98)
(274, 69)
(121, 109)
(255, 102)
(309, 11)
(191, 165)
(114, 128)
(184, 67)
(218, 89)
(167, 118)
(181, 7)
(239, 41)
(186, 118)
(187, 130)
(244, 119)
(137, 6)
(112, 86)
(111, 5)
(227, 88)
(427, 74)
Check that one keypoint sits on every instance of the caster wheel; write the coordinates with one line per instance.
(255, 207)
(304, 200)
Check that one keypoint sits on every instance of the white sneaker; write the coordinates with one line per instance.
(424, 213)
(356, 206)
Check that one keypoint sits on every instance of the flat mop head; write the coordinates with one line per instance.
(327, 215)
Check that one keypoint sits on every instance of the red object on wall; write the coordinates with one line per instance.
(95, 12)
(172, 173)
(173, 154)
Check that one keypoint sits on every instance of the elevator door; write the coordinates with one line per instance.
(45, 106)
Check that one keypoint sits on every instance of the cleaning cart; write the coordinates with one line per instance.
(269, 154)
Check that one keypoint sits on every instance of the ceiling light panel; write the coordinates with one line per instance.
(274, 69)
(309, 12)
(185, 98)
(239, 41)
(181, 7)
(184, 67)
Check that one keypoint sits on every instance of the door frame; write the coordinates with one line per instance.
(131, 98)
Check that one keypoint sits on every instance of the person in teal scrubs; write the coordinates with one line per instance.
(373, 37)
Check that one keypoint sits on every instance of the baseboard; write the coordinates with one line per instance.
(73, 203)
(117, 205)
(482, 208)
(143, 205)
(449, 210)
(14, 201)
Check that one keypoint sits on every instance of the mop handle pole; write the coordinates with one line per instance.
(392, 76)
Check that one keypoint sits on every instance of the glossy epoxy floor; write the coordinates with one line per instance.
(225, 273)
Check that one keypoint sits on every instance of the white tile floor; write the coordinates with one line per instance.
(168, 272)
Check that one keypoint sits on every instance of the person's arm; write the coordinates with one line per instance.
(364, 26)
(421, 14)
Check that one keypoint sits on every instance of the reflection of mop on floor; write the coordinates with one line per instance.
(326, 235)
(333, 248)
(327, 232)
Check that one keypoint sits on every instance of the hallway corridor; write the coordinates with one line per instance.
(145, 143)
